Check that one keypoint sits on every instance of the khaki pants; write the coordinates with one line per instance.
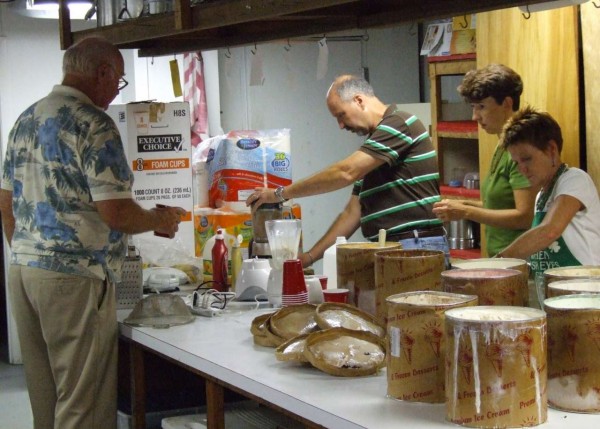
(68, 333)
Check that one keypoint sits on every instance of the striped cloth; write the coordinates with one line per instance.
(195, 94)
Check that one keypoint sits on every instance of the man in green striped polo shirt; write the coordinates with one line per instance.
(395, 174)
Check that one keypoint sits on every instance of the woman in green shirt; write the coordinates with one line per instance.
(507, 199)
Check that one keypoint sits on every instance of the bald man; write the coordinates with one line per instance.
(394, 172)
(67, 208)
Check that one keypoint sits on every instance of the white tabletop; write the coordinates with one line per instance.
(223, 347)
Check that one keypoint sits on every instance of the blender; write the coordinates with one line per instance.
(259, 245)
(284, 240)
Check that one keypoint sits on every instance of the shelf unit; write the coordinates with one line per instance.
(465, 253)
(214, 24)
(444, 133)
(453, 139)
(459, 192)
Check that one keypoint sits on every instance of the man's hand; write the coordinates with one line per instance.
(168, 220)
(306, 260)
(261, 196)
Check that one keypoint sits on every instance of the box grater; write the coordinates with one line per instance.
(130, 288)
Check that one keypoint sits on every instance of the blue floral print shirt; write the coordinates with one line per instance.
(64, 154)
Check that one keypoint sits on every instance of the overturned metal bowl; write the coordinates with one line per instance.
(160, 311)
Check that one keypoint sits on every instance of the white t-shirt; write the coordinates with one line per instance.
(582, 235)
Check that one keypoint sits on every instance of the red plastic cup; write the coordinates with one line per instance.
(336, 295)
(160, 234)
(293, 290)
(323, 280)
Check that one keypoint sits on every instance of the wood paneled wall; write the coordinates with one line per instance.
(590, 35)
(544, 51)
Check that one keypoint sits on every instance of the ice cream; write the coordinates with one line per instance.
(465, 361)
(494, 352)
(569, 336)
(593, 330)
(523, 345)
(406, 344)
(433, 335)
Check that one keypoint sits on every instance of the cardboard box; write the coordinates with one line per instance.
(463, 42)
(156, 137)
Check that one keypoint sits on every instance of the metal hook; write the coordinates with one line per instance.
(288, 46)
(228, 53)
(466, 23)
(597, 6)
(254, 50)
(528, 13)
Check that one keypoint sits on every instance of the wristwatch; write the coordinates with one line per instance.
(279, 194)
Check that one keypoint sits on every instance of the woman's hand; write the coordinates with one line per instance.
(560, 214)
(448, 210)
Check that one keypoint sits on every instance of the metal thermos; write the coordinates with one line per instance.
(461, 234)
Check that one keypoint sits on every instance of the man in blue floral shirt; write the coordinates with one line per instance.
(67, 208)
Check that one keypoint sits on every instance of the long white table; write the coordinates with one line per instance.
(222, 350)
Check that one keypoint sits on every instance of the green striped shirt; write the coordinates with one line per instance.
(399, 195)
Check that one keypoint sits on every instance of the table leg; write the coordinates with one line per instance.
(215, 405)
(138, 386)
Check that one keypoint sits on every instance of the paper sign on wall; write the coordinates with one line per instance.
(437, 39)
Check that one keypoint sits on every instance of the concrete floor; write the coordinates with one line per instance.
(15, 411)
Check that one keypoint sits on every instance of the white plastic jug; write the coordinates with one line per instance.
(330, 263)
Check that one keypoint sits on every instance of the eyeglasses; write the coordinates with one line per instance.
(122, 83)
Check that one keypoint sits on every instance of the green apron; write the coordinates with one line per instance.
(555, 255)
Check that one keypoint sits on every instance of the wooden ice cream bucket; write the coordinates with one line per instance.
(574, 352)
(506, 263)
(573, 287)
(356, 272)
(411, 270)
(416, 343)
(496, 366)
(493, 286)
(568, 273)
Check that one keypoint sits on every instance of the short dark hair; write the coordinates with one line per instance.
(531, 126)
(494, 80)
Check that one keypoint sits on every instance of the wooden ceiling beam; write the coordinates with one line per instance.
(205, 17)
(229, 23)
(431, 9)
(233, 36)
(223, 14)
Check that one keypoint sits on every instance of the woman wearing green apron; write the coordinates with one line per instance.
(566, 225)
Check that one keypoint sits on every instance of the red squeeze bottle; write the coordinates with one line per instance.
(220, 255)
